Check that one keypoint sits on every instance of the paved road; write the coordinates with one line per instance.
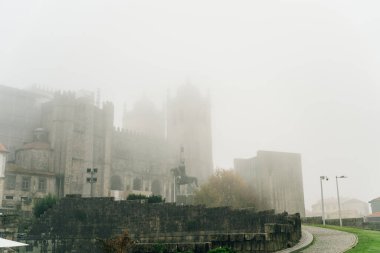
(325, 241)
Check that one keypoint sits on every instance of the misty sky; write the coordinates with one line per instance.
(295, 76)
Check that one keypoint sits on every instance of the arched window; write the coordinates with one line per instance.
(137, 184)
(116, 183)
(156, 187)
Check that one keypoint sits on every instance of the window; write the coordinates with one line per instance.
(137, 184)
(10, 182)
(8, 197)
(25, 186)
(26, 200)
(42, 184)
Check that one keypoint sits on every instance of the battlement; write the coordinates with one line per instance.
(64, 95)
(39, 88)
(126, 133)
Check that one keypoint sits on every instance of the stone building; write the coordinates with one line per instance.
(3, 160)
(55, 139)
(276, 178)
(189, 126)
(30, 175)
(145, 119)
(81, 136)
(20, 113)
(140, 165)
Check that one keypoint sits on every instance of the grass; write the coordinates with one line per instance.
(368, 240)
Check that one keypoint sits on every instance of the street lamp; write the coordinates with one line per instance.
(323, 204)
(337, 192)
(92, 179)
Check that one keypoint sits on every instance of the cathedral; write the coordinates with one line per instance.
(63, 143)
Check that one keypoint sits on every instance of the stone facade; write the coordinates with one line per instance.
(30, 175)
(75, 223)
(20, 113)
(140, 164)
(55, 138)
(189, 126)
(81, 136)
(3, 160)
(276, 178)
(145, 119)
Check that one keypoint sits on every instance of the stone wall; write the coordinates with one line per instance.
(351, 222)
(75, 223)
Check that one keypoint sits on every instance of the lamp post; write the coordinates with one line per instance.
(323, 204)
(92, 179)
(337, 192)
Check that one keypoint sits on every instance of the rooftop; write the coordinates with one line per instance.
(376, 199)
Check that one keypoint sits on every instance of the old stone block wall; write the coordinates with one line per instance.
(75, 223)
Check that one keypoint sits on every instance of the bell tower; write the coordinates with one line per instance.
(189, 126)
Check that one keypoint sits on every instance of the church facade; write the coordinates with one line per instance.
(65, 134)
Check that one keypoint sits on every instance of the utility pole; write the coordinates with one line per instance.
(92, 179)
(337, 192)
(323, 203)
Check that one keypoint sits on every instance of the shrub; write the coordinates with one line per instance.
(42, 205)
(150, 199)
(156, 199)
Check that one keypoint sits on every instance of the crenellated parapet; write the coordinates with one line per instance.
(126, 133)
(42, 89)
(64, 97)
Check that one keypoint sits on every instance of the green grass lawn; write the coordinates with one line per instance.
(369, 241)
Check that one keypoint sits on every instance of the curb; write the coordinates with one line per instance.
(302, 244)
(353, 244)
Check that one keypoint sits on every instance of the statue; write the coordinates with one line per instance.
(180, 177)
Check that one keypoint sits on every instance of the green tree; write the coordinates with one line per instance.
(156, 199)
(225, 188)
(42, 205)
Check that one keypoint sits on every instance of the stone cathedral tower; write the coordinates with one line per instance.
(189, 126)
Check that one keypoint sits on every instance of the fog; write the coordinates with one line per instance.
(292, 76)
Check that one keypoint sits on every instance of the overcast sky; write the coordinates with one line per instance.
(293, 76)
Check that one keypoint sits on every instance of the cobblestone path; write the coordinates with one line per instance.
(329, 240)
(325, 241)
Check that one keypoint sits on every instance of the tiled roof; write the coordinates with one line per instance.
(3, 149)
